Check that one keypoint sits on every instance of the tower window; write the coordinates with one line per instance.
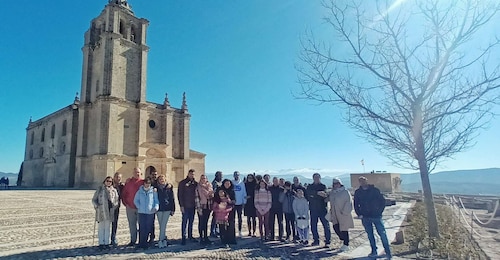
(42, 138)
(122, 29)
(133, 34)
(53, 131)
(32, 138)
(64, 126)
(40, 153)
(31, 154)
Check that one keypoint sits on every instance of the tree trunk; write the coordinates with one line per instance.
(426, 188)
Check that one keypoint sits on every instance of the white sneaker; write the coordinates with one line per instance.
(344, 248)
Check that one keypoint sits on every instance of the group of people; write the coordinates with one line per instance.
(257, 197)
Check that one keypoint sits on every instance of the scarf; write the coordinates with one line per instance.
(205, 192)
(111, 195)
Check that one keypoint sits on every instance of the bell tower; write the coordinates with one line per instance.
(115, 55)
(113, 92)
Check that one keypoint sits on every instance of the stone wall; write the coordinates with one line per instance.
(385, 182)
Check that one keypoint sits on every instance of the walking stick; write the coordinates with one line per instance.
(93, 234)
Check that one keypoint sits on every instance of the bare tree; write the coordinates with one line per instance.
(411, 77)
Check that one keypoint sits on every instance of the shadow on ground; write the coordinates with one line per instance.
(245, 249)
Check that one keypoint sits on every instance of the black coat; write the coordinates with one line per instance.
(250, 210)
(317, 204)
(186, 193)
(369, 203)
(275, 194)
(166, 198)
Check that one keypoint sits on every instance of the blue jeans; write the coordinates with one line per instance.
(303, 233)
(146, 222)
(187, 216)
(379, 225)
(314, 226)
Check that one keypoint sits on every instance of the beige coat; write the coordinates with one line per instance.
(101, 201)
(341, 208)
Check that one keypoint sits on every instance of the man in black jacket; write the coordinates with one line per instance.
(369, 204)
(186, 194)
(316, 195)
(276, 210)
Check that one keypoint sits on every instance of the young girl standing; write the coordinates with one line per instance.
(301, 210)
(263, 202)
(222, 207)
(146, 201)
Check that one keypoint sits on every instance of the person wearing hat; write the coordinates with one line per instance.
(369, 204)
(340, 212)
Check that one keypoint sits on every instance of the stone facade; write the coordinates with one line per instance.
(385, 182)
(111, 128)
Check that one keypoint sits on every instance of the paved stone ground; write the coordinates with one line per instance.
(58, 224)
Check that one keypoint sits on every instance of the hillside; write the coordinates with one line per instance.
(470, 182)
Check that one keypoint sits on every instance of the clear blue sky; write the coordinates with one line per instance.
(234, 59)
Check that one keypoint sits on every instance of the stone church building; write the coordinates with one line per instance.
(111, 127)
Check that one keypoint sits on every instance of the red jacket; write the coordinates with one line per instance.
(129, 190)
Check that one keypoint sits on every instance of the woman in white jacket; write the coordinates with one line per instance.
(341, 212)
(105, 202)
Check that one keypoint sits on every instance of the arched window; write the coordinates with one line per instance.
(43, 135)
(53, 131)
(40, 153)
(32, 138)
(64, 126)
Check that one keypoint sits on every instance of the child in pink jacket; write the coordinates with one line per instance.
(222, 207)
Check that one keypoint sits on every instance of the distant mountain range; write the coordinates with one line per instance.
(470, 182)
